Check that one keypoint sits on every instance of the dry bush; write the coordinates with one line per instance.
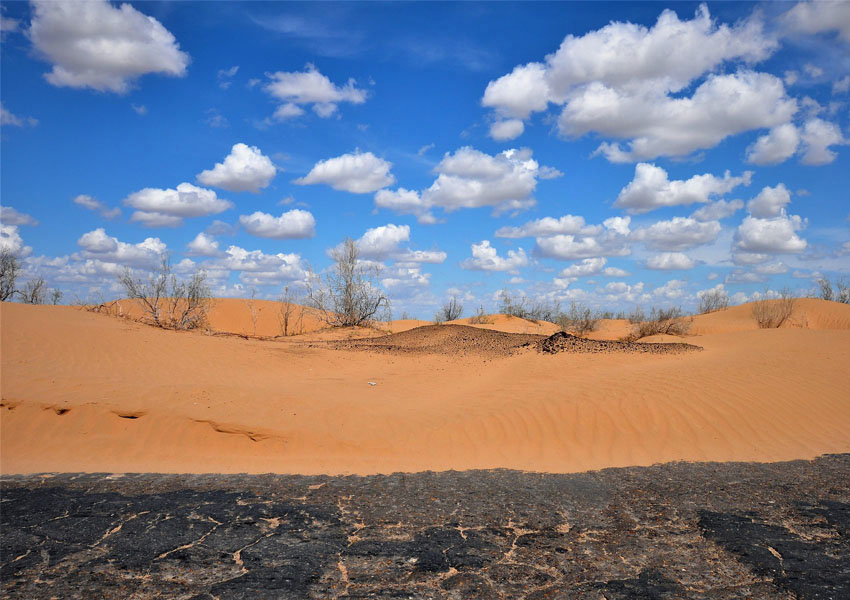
(580, 320)
(252, 309)
(10, 266)
(713, 300)
(480, 318)
(840, 294)
(772, 313)
(34, 292)
(450, 311)
(348, 295)
(168, 302)
(523, 308)
(667, 321)
(289, 323)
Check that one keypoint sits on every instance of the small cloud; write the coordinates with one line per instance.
(140, 109)
(97, 206)
(225, 76)
(424, 149)
(10, 216)
(8, 118)
(216, 119)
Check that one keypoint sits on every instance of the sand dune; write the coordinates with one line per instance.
(87, 392)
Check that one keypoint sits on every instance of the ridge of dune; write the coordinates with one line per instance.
(86, 392)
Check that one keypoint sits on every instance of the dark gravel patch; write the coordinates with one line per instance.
(565, 342)
(683, 530)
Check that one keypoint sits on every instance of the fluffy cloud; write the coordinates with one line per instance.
(93, 204)
(818, 135)
(620, 81)
(817, 17)
(610, 240)
(412, 257)
(258, 268)
(295, 224)
(98, 245)
(756, 237)
(10, 216)
(589, 266)
(203, 245)
(245, 169)
(11, 240)
(507, 129)
(777, 146)
(158, 207)
(469, 178)
(310, 87)
(614, 272)
(547, 226)
(770, 202)
(92, 43)
(669, 261)
(382, 242)
(486, 258)
(358, 173)
(651, 189)
(718, 210)
(679, 233)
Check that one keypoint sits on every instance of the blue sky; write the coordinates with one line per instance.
(609, 153)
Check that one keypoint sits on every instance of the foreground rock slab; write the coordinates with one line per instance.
(733, 530)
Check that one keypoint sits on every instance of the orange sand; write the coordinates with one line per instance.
(87, 392)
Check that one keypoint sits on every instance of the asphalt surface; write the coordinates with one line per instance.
(733, 530)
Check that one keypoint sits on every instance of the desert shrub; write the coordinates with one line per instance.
(523, 308)
(772, 313)
(55, 296)
(840, 294)
(10, 266)
(251, 304)
(713, 300)
(480, 317)
(349, 294)
(34, 291)
(290, 324)
(450, 311)
(167, 301)
(667, 321)
(636, 316)
(579, 320)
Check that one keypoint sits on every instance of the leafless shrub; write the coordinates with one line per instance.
(10, 266)
(580, 320)
(713, 300)
(34, 292)
(772, 313)
(289, 323)
(840, 294)
(524, 308)
(450, 311)
(168, 302)
(636, 316)
(349, 294)
(667, 321)
(480, 318)
(55, 296)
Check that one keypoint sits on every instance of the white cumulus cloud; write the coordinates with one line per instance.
(651, 188)
(295, 224)
(358, 173)
(817, 137)
(309, 87)
(203, 245)
(486, 258)
(92, 43)
(95, 205)
(818, 17)
(777, 146)
(10, 216)
(678, 233)
(99, 245)
(245, 169)
(167, 207)
(669, 261)
(770, 202)
(589, 266)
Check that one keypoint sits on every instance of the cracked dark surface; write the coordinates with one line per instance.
(734, 530)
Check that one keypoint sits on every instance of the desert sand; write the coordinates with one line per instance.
(90, 392)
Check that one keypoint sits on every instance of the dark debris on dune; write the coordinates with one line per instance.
(460, 340)
(451, 340)
(565, 342)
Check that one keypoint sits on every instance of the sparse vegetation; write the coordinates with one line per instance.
(713, 300)
(34, 292)
(523, 308)
(349, 294)
(289, 323)
(480, 317)
(450, 311)
(168, 302)
(772, 313)
(10, 266)
(667, 321)
(580, 320)
(252, 309)
(841, 293)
